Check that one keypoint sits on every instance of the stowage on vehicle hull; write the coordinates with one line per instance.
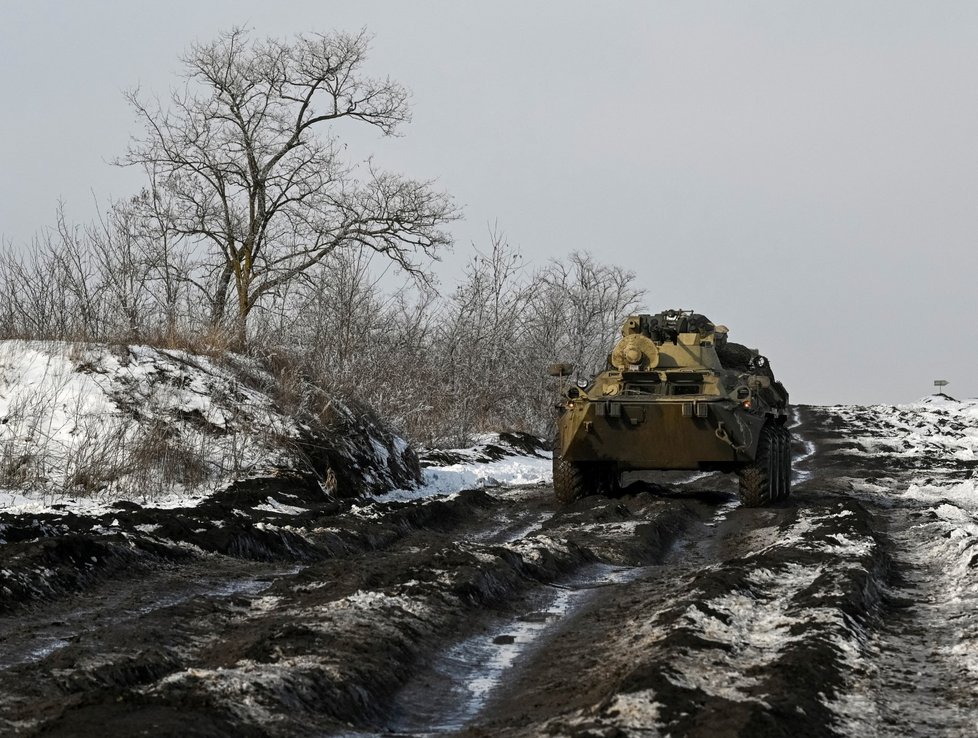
(676, 396)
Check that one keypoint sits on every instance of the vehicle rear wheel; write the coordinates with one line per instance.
(785, 463)
(781, 464)
(761, 479)
(777, 470)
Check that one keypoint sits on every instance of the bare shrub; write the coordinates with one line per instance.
(162, 462)
(439, 368)
(442, 368)
(99, 459)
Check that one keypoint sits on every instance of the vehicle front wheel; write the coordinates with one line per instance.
(570, 480)
(576, 479)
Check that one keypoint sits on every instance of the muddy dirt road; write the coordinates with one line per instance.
(851, 609)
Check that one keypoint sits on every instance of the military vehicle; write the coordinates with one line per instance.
(676, 394)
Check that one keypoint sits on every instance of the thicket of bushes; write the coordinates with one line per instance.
(257, 231)
(440, 366)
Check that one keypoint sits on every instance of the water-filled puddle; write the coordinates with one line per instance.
(460, 682)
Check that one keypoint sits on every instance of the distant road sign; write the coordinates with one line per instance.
(941, 383)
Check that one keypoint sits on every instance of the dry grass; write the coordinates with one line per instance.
(120, 447)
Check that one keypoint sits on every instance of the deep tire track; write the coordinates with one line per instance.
(848, 609)
(330, 644)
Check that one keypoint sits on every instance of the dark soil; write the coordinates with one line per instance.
(277, 609)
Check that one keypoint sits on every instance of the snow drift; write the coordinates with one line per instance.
(90, 423)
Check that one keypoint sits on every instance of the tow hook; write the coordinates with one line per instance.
(722, 434)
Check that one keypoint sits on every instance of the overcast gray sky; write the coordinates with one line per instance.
(806, 173)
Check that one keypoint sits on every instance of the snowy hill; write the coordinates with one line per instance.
(87, 425)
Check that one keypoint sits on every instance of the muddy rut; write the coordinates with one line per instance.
(670, 610)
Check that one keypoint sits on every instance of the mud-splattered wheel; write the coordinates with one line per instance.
(576, 479)
(570, 480)
(780, 463)
(761, 482)
(784, 439)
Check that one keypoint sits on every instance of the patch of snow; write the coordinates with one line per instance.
(752, 631)
(535, 548)
(511, 471)
(249, 687)
(963, 494)
(753, 624)
(272, 505)
(35, 502)
(366, 600)
(638, 711)
(935, 427)
(264, 604)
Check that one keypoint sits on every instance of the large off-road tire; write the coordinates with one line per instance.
(759, 481)
(785, 442)
(576, 479)
(779, 464)
(571, 480)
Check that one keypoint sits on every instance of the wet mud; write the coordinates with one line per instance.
(275, 609)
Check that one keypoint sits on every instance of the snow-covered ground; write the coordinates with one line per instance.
(935, 426)
(83, 426)
(505, 465)
(938, 438)
(923, 664)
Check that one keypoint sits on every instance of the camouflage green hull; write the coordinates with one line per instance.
(637, 434)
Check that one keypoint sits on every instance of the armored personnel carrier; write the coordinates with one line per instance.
(676, 394)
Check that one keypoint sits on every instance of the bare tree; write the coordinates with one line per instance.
(144, 223)
(579, 305)
(250, 179)
(576, 309)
